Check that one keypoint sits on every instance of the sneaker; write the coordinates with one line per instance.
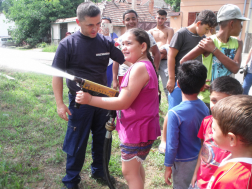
(103, 178)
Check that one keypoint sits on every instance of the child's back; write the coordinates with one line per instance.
(182, 145)
(183, 123)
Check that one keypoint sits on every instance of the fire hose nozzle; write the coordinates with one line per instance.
(80, 81)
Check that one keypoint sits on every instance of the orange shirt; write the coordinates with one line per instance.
(232, 174)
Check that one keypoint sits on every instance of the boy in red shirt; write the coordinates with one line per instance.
(232, 131)
(210, 155)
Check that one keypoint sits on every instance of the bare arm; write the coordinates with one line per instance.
(127, 95)
(231, 65)
(156, 54)
(170, 35)
(115, 69)
(194, 53)
(57, 84)
(171, 68)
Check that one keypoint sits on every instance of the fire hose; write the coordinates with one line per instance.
(94, 89)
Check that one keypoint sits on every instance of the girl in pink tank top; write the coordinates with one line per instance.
(137, 106)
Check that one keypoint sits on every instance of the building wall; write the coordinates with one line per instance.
(72, 27)
(55, 33)
(187, 6)
(4, 26)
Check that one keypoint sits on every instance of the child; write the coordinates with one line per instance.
(138, 102)
(210, 154)
(221, 52)
(183, 145)
(232, 131)
(184, 40)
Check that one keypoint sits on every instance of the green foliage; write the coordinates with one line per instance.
(50, 48)
(41, 45)
(33, 17)
(1, 7)
(175, 4)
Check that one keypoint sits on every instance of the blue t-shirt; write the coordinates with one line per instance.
(182, 143)
(113, 35)
(86, 57)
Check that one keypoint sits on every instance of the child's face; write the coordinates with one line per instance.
(130, 20)
(131, 48)
(215, 97)
(160, 19)
(202, 29)
(221, 140)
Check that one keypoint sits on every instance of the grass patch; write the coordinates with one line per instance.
(32, 136)
(50, 48)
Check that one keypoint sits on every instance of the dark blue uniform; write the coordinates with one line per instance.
(87, 58)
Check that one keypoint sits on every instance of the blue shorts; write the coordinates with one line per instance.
(175, 97)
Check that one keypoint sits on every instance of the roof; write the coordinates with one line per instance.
(115, 12)
(174, 14)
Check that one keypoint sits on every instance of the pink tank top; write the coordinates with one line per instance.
(140, 122)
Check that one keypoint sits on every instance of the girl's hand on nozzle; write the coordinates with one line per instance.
(83, 97)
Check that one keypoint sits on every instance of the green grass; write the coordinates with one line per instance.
(50, 48)
(32, 135)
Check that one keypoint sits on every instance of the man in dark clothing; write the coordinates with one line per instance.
(84, 54)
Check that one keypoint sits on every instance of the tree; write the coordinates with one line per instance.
(1, 7)
(175, 4)
(33, 17)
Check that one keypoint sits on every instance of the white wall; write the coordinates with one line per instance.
(55, 31)
(4, 26)
(72, 27)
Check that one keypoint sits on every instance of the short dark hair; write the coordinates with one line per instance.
(233, 114)
(191, 76)
(207, 17)
(129, 11)
(162, 12)
(87, 9)
(107, 18)
(223, 24)
(227, 85)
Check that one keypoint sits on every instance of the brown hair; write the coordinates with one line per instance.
(207, 17)
(234, 114)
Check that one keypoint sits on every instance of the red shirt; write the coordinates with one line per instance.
(211, 155)
(233, 174)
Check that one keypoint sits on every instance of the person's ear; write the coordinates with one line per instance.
(178, 84)
(77, 21)
(233, 139)
(202, 88)
(123, 22)
(231, 23)
(198, 23)
(144, 47)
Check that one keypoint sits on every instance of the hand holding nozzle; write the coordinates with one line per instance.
(83, 97)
